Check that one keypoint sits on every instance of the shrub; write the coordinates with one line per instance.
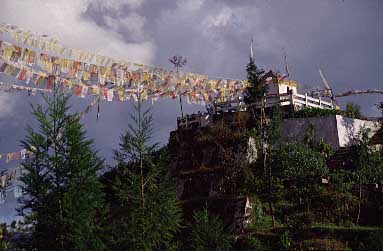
(209, 233)
(285, 241)
(253, 244)
(300, 221)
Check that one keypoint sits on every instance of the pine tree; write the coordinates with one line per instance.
(62, 192)
(258, 87)
(149, 215)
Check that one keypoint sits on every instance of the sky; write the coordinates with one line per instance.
(343, 37)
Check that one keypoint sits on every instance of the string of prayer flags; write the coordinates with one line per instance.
(3, 196)
(12, 87)
(127, 74)
(6, 180)
(3, 180)
(226, 90)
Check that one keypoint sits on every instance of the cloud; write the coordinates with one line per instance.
(190, 5)
(132, 26)
(224, 18)
(7, 103)
(65, 20)
(117, 5)
(215, 36)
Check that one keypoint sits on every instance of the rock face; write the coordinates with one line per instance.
(199, 156)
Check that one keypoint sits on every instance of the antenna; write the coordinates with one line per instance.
(327, 85)
(251, 50)
(286, 65)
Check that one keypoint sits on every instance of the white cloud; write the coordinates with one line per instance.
(224, 18)
(63, 20)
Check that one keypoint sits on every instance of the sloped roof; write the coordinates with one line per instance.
(281, 79)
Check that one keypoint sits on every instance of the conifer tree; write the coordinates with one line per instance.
(62, 194)
(149, 215)
(258, 87)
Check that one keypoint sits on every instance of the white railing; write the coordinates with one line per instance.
(296, 100)
(307, 101)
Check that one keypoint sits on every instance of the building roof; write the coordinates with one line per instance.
(288, 82)
(281, 79)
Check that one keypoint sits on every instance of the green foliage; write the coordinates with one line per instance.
(63, 194)
(298, 162)
(375, 241)
(285, 241)
(274, 129)
(254, 244)
(300, 221)
(309, 137)
(313, 112)
(368, 164)
(260, 219)
(325, 149)
(4, 243)
(342, 201)
(302, 167)
(209, 233)
(352, 111)
(146, 214)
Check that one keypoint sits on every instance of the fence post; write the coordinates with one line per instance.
(320, 102)
(306, 102)
(292, 99)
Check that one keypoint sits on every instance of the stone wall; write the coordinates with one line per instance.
(336, 130)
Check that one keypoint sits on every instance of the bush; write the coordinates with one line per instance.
(285, 241)
(352, 111)
(260, 219)
(313, 112)
(254, 244)
(300, 221)
(209, 233)
(375, 242)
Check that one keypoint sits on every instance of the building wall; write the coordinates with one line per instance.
(275, 88)
(349, 128)
(336, 130)
(283, 88)
(295, 129)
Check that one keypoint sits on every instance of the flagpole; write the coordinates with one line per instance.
(178, 62)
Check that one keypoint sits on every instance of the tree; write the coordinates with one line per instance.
(258, 87)
(209, 233)
(149, 215)
(352, 111)
(62, 192)
(302, 168)
(368, 165)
